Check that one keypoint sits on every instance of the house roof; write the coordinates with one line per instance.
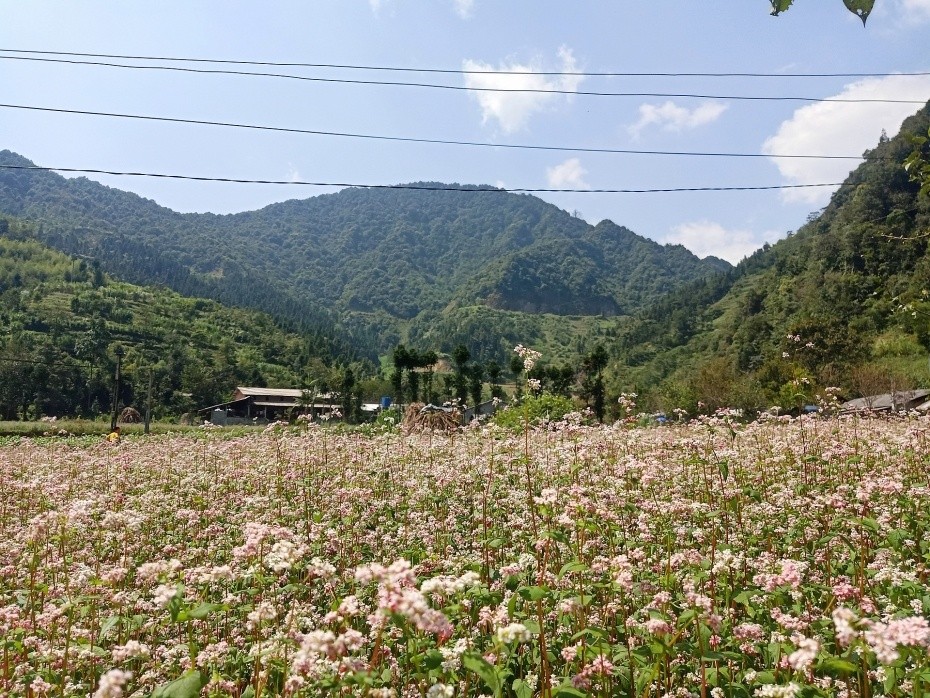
(222, 404)
(316, 405)
(269, 392)
(902, 399)
(291, 394)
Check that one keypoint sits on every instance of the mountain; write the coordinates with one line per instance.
(63, 319)
(362, 266)
(843, 302)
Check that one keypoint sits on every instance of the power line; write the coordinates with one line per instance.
(473, 88)
(420, 187)
(458, 71)
(431, 141)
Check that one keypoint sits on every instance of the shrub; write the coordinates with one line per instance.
(534, 409)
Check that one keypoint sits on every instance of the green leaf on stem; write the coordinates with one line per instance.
(573, 566)
(522, 689)
(837, 666)
(860, 8)
(477, 664)
(533, 593)
(188, 686)
(107, 625)
(202, 610)
(779, 6)
(569, 692)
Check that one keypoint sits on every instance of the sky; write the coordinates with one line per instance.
(472, 38)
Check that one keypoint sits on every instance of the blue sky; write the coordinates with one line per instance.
(815, 36)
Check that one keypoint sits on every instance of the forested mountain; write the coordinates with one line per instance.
(378, 261)
(62, 320)
(842, 302)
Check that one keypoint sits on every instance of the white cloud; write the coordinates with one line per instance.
(464, 8)
(837, 128)
(916, 11)
(568, 175)
(512, 110)
(375, 5)
(671, 117)
(293, 175)
(708, 238)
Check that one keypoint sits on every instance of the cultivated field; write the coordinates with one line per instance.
(780, 558)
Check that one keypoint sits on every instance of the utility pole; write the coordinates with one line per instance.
(148, 403)
(116, 385)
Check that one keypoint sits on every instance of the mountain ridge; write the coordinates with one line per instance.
(407, 253)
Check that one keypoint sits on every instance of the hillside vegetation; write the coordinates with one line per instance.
(842, 302)
(63, 319)
(363, 266)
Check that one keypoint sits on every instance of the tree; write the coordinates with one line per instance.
(348, 396)
(402, 362)
(475, 378)
(917, 164)
(516, 368)
(593, 365)
(860, 8)
(461, 356)
(493, 371)
(427, 360)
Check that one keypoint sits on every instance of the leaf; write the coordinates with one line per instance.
(188, 686)
(203, 610)
(107, 626)
(743, 598)
(645, 678)
(868, 523)
(568, 692)
(522, 689)
(860, 8)
(837, 666)
(765, 677)
(779, 6)
(477, 664)
(724, 468)
(249, 692)
(534, 593)
(710, 656)
(573, 566)
(433, 659)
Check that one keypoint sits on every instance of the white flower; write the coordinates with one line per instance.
(440, 690)
(111, 684)
(514, 633)
(804, 656)
(164, 594)
(773, 691)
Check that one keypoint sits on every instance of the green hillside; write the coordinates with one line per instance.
(62, 319)
(842, 302)
(365, 267)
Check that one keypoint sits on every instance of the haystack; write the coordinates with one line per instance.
(420, 417)
(130, 415)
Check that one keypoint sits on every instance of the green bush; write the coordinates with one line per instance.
(533, 409)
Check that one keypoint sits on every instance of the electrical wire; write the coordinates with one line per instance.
(456, 71)
(473, 88)
(420, 187)
(431, 141)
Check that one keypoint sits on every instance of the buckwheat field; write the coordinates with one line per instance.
(786, 557)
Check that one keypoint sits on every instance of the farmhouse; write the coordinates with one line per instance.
(901, 400)
(251, 405)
